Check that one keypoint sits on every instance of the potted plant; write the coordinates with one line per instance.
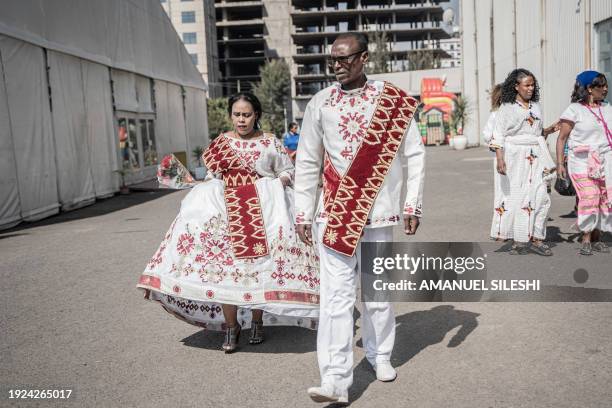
(459, 118)
(200, 170)
(123, 189)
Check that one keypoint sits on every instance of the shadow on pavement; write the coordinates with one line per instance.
(278, 339)
(100, 207)
(415, 332)
(554, 234)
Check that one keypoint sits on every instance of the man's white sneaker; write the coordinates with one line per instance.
(384, 371)
(327, 393)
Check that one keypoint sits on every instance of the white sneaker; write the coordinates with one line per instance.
(384, 371)
(327, 393)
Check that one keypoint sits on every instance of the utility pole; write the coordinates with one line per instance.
(587, 35)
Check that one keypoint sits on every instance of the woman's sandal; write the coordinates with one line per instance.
(600, 247)
(541, 249)
(257, 333)
(587, 249)
(232, 335)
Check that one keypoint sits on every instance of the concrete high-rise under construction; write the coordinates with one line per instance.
(249, 32)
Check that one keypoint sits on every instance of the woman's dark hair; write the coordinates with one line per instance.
(496, 95)
(250, 98)
(508, 88)
(581, 93)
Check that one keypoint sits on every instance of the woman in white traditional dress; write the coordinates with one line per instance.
(524, 166)
(487, 134)
(586, 126)
(231, 258)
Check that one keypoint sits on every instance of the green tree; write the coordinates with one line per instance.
(379, 54)
(461, 114)
(422, 59)
(218, 118)
(274, 93)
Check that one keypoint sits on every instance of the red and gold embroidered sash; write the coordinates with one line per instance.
(245, 219)
(348, 200)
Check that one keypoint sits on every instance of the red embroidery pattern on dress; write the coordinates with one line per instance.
(249, 157)
(293, 261)
(185, 244)
(158, 257)
(246, 227)
(500, 211)
(531, 159)
(293, 266)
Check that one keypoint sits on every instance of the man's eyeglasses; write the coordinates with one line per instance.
(344, 60)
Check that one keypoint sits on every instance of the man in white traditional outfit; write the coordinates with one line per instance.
(354, 130)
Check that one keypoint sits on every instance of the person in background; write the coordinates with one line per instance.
(487, 134)
(586, 130)
(524, 166)
(496, 94)
(291, 139)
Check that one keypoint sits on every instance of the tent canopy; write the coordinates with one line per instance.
(132, 35)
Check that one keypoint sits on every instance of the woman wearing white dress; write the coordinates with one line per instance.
(487, 134)
(231, 258)
(524, 166)
(586, 126)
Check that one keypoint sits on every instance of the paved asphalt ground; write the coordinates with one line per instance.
(72, 318)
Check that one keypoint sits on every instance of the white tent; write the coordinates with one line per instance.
(87, 88)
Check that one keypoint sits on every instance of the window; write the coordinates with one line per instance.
(194, 58)
(147, 133)
(189, 38)
(136, 134)
(604, 47)
(188, 16)
(128, 144)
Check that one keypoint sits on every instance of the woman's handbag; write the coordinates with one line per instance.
(564, 186)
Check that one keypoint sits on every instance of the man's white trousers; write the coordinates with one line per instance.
(339, 276)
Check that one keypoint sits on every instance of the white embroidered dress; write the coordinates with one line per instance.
(195, 270)
(335, 122)
(522, 201)
(589, 165)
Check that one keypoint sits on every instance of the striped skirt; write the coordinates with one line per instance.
(593, 209)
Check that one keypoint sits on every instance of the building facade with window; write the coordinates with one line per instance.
(194, 21)
(249, 32)
(554, 39)
(86, 107)
(452, 47)
(413, 31)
